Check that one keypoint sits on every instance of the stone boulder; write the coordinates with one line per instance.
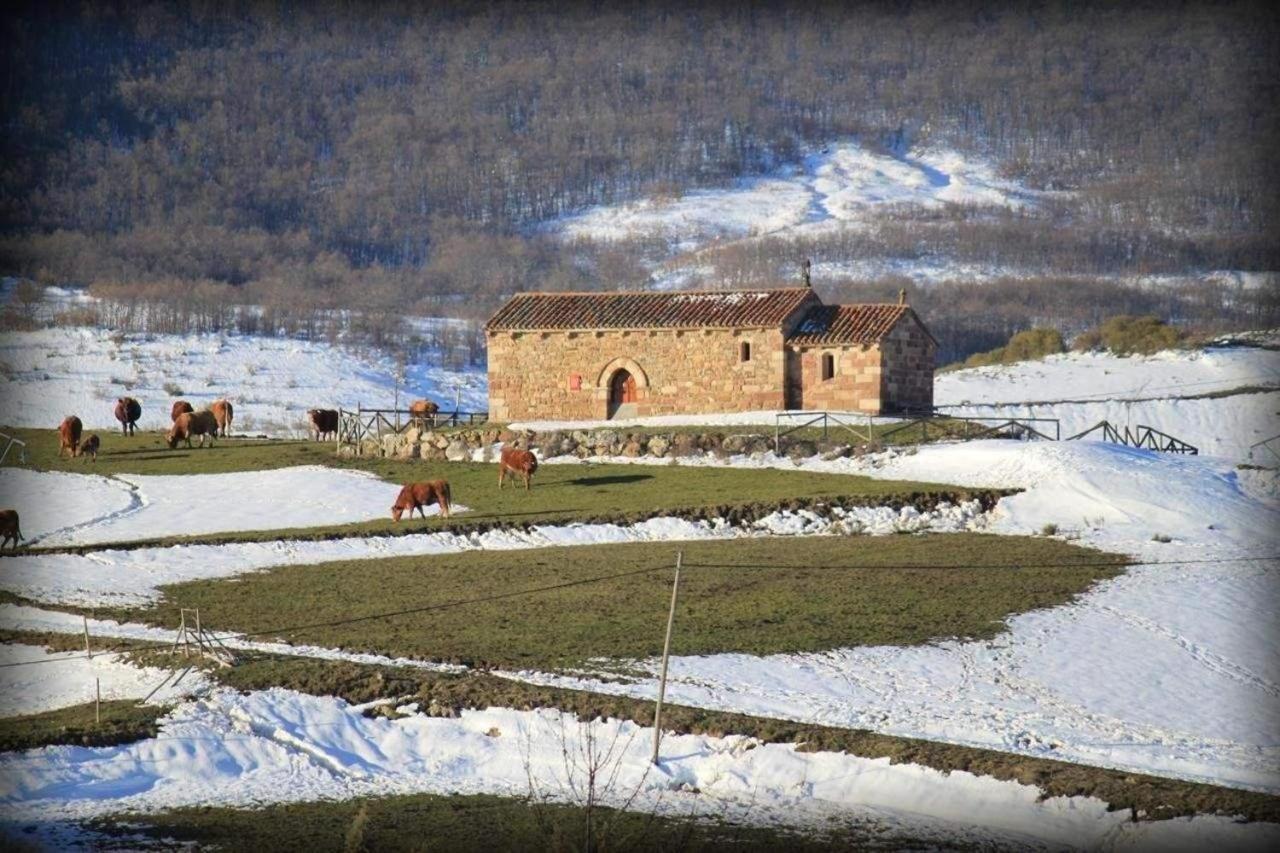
(457, 451)
(658, 445)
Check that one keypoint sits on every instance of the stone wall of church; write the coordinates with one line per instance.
(853, 386)
(909, 356)
(566, 375)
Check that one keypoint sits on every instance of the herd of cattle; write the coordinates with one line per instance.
(187, 422)
(216, 421)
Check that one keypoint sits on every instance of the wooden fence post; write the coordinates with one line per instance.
(97, 701)
(666, 651)
(88, 652)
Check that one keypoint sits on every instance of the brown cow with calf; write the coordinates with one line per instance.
(323, 422)
(9, 527)
(192, 423)
(128, 410)
(180, 407)
(520, 463)
(417, 495)
(69, 436)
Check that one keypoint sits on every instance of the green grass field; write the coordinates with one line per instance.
(121, 721)
(756, 596)
(561, 492)
(478, 823)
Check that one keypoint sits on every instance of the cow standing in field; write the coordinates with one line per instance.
(128, 410)
(192, 423)
(323, 422)
(223, 414)
(420, 410)
(69, 436)
(9, 527)
(89, 448)
(520, 463)
(180, 407)
(417, 495)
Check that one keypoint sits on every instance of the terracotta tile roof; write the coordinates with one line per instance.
(846, 324)
(650, 310)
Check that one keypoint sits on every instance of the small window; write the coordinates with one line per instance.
(828, 366)
(744, 351)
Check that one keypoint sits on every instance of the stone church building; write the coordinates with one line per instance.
(589, 356)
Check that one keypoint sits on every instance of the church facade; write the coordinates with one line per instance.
(593, 356)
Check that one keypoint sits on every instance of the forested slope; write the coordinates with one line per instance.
(346, 154)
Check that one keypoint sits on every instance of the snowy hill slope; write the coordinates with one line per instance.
(1220, 399)
(50, 373)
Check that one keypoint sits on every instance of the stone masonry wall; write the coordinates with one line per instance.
(909, 355)
(855, 386)
(566, 375)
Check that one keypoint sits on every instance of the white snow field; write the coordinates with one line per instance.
(843, 184)
(192, 504)
(34, 679)
(280, 746)
(51, 373)
(1168, 669)
(133, 577)
(1081, 389)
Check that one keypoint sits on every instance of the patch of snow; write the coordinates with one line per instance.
(1167, 669)
(844, 184)
(32, 682)
(51, 502)
(272, 382)
(133, 577)
(192, 504)
(279, 746)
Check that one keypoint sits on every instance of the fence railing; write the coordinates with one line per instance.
(11, 442)
(872, 429)
(1270, 445)
(1139, 435)
(354, 427)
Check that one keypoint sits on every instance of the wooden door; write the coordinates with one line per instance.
(622, 389)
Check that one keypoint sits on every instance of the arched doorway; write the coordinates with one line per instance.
(622, 390)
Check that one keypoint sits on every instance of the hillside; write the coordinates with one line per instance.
(326, 158)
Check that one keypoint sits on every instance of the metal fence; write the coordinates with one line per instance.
(872, 429)
(9, 443)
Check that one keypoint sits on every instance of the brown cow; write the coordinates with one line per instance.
(323, 422)
(89, 448)
(223, 414)
(193, 423)
(9, 527)
(128, 410)
(180, 407)
(69, 435)
(519, 462)
(422, 409)
(417, 495)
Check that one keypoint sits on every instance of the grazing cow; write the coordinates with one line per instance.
(422, 409)
(417, 495)
(89, 448)
(193, 423)
(180, 407)
(519, 462)
(323, 422)
(9, 527)
(223, 414)
(128, 410)
(69, 436)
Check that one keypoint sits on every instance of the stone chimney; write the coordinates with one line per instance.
(804, 271)
(902, 296)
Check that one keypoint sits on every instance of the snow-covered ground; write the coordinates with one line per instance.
(844, 184)
(1168, 669)
(50, 373)
(34, 679)
(133, 577)
(131, 507)
(1081, 389)
(280, 746)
